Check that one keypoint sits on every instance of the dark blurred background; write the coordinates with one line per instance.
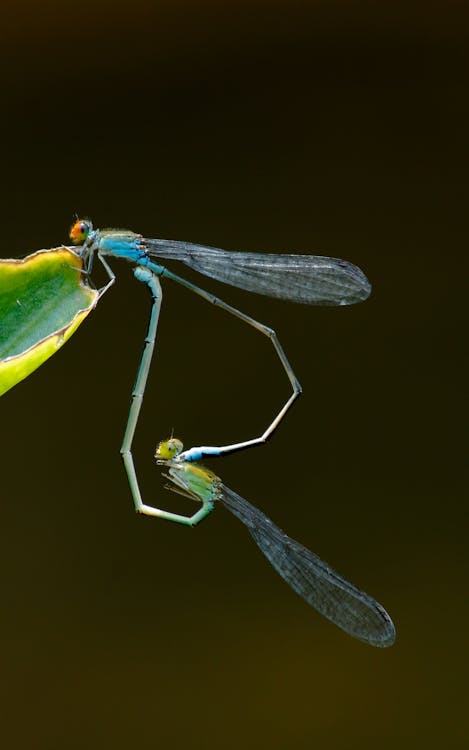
(338, 128)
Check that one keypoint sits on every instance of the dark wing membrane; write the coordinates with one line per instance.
(309, 279)
(321, 587)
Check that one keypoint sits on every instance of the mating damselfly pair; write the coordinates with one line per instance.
(306, 279)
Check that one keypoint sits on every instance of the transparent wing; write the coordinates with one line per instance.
(309, 279)
(324, 589)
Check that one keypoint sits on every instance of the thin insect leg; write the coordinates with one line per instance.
(87, 252)
(110, 273)
(195, 454)
(86, 271)
(153, 284)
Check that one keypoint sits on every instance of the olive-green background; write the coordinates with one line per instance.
(331, 127)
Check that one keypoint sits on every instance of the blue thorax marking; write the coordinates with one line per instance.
(122, 246)
(126, 245)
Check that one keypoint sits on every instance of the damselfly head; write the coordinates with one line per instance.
(80, 230)
(168, 449)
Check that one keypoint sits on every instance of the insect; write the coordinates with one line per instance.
(58, 288)
(307, 279)
(315, 581)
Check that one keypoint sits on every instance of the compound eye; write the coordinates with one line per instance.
(80, 231)
(169, 449)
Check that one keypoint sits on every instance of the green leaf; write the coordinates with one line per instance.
(43, 300)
